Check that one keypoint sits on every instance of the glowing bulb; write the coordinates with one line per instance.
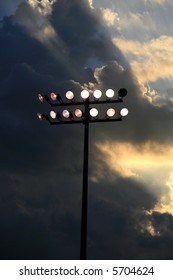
(97, 93)
(78, 113)
(66, 114)
(124, 112)
(40, 116)
(84, 94)
(53, 96)
(94, 112)
(40, 97)
(110, 93)
(69, 95)
(110, 112)
(53, 114)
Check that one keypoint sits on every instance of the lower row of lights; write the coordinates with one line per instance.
(79, 114)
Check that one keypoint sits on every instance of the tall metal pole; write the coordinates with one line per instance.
(83, 242)
(85, 120)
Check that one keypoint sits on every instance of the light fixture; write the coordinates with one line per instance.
(97, 93)
(94, 112)
(40, 97)
(110, 112)
(69, 95)
(84, 94)
(53, 114)
(66, 114)
(122, 92)
(110, 93)
(40, 116)
(78, 113)
(124, 112)
(53, 96)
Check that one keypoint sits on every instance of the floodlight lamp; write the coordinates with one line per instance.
(124, 112)
(110, 112)
(122, 92)
(40, 97)
(94, 112)
(53, 114)
(69, 95)
(78, 113)
(110, 93)
(97, 93)
(66, 114)
(53, 96)
(84, 94)
(40, 116)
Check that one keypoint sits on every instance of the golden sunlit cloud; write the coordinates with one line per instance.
(148, 227)
(91, 3)
(149, 163)
(128, 159)
(165, 204)
(44, 7)
(109, 16)
(151, 60)
(158, 2)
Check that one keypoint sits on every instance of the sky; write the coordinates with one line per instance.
(59, 45)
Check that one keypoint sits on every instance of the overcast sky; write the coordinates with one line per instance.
(70, 45)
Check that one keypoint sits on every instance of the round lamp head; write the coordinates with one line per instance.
(69, 95)
(97, 93)
(124, 112)
(110, 112)
(94, 112)
(78, 113)
(53, 114)
(84, 94)
(40, 116)
(122, 92)
(40, 97)
(66, 114)
(110, 93)
(53, 96)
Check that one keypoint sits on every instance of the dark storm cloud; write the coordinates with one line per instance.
(8, 7)
(41, 165)
(118, 208)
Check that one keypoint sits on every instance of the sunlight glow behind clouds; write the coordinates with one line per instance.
(90, 3)
(130, 160)
(150, 61)
(142, 162)
(165, 204)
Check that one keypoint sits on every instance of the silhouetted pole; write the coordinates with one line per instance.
(86, 117)
(83, 241)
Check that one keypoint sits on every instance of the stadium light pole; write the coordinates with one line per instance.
(85, 117)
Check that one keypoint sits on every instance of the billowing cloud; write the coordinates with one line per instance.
(159, 2)
(90, 3)
(151, 60)
(44, 7)
(64, 48)
(110, 17)
(141, 162)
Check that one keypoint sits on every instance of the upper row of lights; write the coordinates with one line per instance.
(84, 94)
